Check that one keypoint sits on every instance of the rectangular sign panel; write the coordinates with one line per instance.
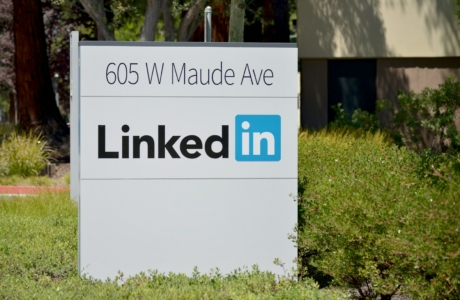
(188, 138)
(188, 71)
(175, 225)
(188, 157)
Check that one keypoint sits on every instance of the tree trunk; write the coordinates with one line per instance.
(95, 9)
(168, 21)
(12, 112)
(269, 21)
(37, 109)
(152, 16)
(236, 29)
(190, 21)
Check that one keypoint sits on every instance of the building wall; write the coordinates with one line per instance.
(414, 74)
(377, 28)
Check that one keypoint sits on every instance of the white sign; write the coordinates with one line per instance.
(188, 157)
(182, 71)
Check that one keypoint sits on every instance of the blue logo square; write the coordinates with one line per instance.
(258, 138)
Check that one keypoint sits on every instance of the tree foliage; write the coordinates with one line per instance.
(7, 77)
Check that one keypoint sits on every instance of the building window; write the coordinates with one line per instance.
(352, 83)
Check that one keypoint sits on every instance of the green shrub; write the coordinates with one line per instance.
(39, 260)
(369, 220)
(23, 155)
(434, 110)
(360, 119)
(439, 168)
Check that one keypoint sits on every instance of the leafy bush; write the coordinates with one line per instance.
(23, 155)
(370, 220)
(434, 110)
(360, 119)
(439, 168)
(39, 260)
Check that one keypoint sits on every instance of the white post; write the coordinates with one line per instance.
(74, 116)
(207, 24)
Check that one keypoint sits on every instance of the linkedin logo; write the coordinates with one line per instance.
(258, 138)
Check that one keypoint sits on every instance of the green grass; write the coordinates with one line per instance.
(38, 260)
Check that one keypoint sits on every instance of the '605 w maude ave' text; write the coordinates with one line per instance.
(186, 74)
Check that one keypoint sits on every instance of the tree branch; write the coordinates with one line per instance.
(95, 9)
(152, 16)
(189, 20)
(193, 26)
(236, 29)
(168, 21)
